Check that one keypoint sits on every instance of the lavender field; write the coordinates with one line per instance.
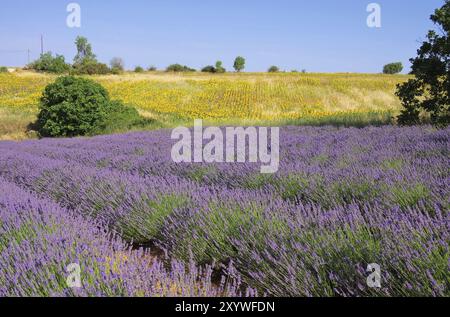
(140, 225)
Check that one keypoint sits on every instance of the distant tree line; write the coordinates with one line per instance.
(86, 63)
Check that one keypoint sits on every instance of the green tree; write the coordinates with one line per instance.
(219, 67)
(239, 64)
(138, 69)
(273, 69)
(429, 91)
(393, 68)
(179, 68)
(209, 69)
(84, 51)
(50, 64)
(91, 67)
(85, 62)
(74, 106)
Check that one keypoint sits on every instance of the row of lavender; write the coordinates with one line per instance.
(342, 199)
(320, 165)
(39, 241)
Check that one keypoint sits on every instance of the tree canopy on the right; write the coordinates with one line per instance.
(429, 92)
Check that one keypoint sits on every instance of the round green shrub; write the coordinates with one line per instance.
(73, 106)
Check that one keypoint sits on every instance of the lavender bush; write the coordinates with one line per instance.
(343, 198)
(39, 239)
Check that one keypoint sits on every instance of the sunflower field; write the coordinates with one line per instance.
(256, 98)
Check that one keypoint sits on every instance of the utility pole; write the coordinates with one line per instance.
(42, 45)
(28, 52)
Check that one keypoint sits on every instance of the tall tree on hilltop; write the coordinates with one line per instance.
(84, 51)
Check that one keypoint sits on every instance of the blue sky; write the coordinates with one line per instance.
(316, 35)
